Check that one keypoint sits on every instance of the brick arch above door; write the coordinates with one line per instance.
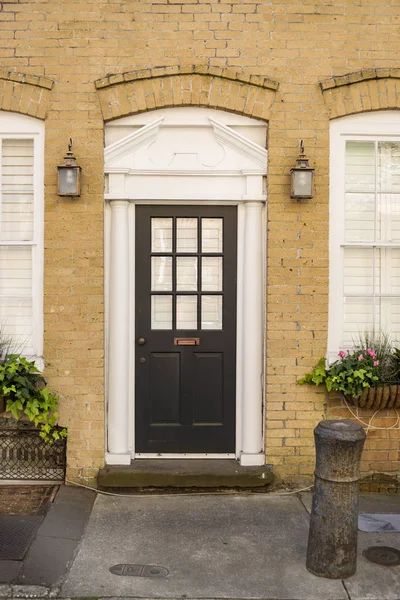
(362, 91)
(24, 94)
(126, 94)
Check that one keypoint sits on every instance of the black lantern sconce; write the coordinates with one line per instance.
(302, 177)
(69, 175)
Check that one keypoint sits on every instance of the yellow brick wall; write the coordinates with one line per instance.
(297, 43)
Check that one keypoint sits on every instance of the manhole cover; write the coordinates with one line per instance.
(128, 570)
(383, 555)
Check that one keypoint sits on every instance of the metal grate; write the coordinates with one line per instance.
(24, 455)
(16, 535)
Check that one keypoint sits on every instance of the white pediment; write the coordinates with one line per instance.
(209, 148)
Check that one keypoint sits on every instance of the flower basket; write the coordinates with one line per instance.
(377, 397)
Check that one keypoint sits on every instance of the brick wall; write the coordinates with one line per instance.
(297, 43)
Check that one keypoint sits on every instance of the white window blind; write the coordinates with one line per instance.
(371, 245)
(17, 241)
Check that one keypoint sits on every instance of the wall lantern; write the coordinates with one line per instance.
(302, 177)
(69, 175)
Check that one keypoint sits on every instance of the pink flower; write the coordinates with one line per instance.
(376, 363)
(371, 353)
(342, 354)
(361, 357)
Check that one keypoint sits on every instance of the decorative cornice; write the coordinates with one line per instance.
(38, 81)
(239, 143)
(255, 80)
(359, 76)
(133, 141)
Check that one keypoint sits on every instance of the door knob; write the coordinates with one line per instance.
(141, 341)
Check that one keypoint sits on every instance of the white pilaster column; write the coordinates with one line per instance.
(118, 347)
(252, 452)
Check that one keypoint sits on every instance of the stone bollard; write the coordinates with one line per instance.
(332, 542)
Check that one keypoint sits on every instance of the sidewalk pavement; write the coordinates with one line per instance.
(214, 547)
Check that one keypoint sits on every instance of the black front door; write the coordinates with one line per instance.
(185, 329)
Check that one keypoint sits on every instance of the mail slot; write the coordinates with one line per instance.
(187, 341)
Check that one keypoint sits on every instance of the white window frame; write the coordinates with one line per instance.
(373, 126)
(16, 126)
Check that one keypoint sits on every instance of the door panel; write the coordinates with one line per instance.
(185, 329)
(165, 387)
(208, 388)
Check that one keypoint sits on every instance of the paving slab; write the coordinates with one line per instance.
(9, 570)
(5, 590)
(372, 581)
(51, 553)
(369, 502)
(48, 560)
(236, 546)
(65, 520)
(29, 591)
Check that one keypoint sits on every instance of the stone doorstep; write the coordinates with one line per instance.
(184, 473)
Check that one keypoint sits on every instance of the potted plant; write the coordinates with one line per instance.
(25, 393)
(367, 376)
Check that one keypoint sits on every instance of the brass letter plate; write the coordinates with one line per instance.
(187, 341)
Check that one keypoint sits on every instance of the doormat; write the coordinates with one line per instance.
(16, 535)
(379, 523)
(26, 500)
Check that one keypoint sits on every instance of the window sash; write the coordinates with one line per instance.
(30, 344)
(381, 299)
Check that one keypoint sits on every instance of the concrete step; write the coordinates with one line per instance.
(177, 473)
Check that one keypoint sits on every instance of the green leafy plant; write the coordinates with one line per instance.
(393, 370)
(351, 374)
(25, 391)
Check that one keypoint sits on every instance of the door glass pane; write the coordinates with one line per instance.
(161, 312)
(186, 273)
(186, 312)
(211, 235)
(211, 312)
(211, 274)
(186, 235)
(161, 235)
(161, 273)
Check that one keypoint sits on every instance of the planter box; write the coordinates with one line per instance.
(381, 396)
(25, 456)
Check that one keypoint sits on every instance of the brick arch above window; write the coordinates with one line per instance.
(140, 91)
(24, 94)
(363, 91)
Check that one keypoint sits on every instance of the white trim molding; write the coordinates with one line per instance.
(183, 156)
(378, 126)
(22, 127)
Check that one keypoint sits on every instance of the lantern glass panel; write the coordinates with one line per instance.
(68, 178)
(302, 183)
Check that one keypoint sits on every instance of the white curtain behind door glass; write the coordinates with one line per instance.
(371, 259)
(16, 241)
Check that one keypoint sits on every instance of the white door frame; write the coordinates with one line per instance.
(218, 165)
